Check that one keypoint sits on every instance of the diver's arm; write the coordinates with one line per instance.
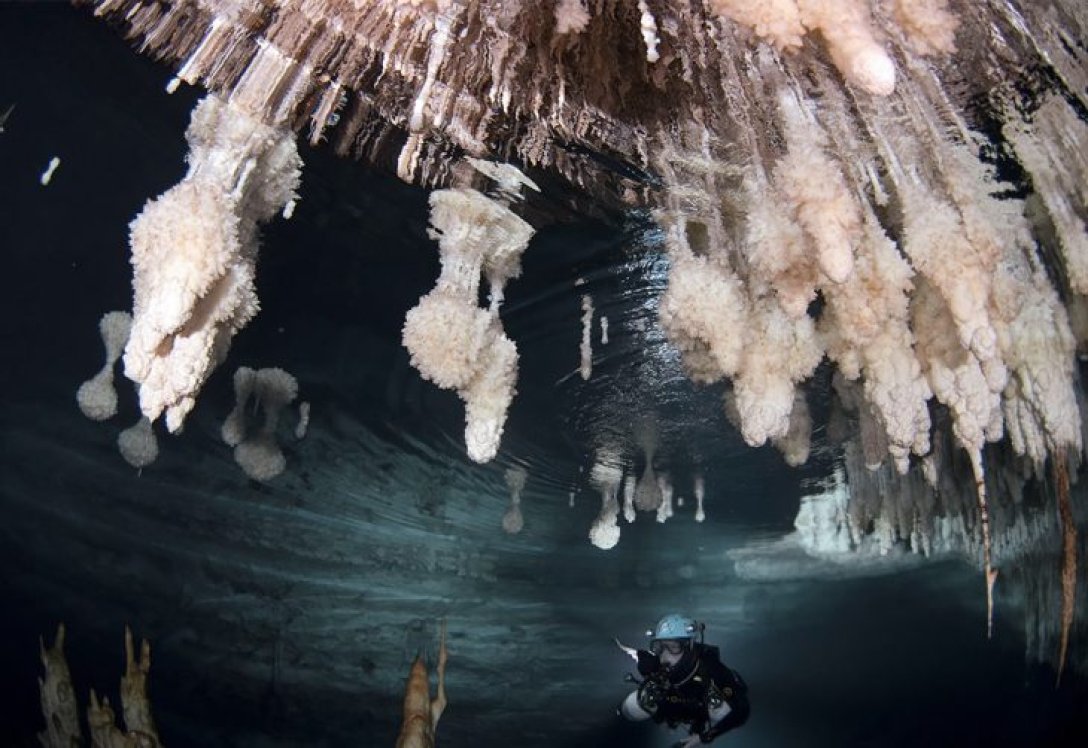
(727, 702)
(731, 713)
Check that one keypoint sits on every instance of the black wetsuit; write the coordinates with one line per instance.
(686, 693)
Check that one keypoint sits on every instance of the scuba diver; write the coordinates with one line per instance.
(685, 682)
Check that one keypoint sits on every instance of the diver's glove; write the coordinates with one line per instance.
(649, 695)
(647, 663)
(710, 732)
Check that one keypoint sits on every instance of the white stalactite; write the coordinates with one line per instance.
(586, 347)
(453, 342)
(194, 255)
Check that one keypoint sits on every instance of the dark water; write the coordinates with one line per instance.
(287, 614)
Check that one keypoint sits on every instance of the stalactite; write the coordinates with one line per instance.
(97, 397)
(664, 508)
(795, 445)
(605, 476)
(989, 572)
(256, 449)
(138, 445)
(647, 496)
(454, 343)
(629, 484)
(1069, 558)
(586, 348)
(512, 520)
(194, 255)
(700, 494)
(303, 423)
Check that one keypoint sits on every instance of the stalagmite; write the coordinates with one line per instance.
(134, 700)
(61, 717)
(233, 429)
(103, 724)
(420, 713)
(58, 699)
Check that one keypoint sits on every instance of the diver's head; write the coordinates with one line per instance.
(672, 641)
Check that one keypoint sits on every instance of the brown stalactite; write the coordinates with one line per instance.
(987, 548)
(1069, 558)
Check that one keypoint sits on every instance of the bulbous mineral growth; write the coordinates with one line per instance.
(97, 397)
(605, 476)
(454, 343)
(194, 254)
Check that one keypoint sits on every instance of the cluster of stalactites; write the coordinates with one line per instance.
(930, 512)
(59, 704)
(878, 513)
(932, 289)
(97, 397)
(498, 79)
(874, 199)
(650, 491)
(256, 449)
